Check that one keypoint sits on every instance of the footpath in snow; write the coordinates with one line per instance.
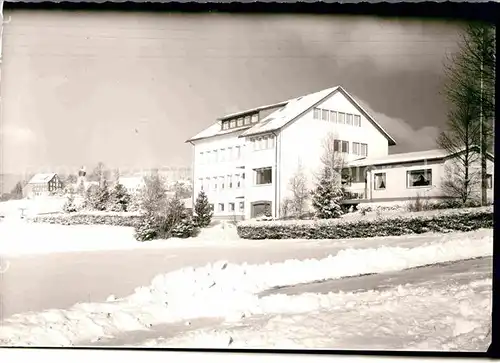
(225, 290)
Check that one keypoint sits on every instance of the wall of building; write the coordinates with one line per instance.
(302, 141)
(454, 167)
(227, 170)
(396, 181)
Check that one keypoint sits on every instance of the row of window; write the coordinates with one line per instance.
(262, 176)
(262, 143)
(337, 117)
(358, 148)
(414, 179)
(221, 155)
(240, 121)
(221, 182)
(231, 207)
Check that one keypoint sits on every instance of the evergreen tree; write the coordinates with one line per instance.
(202, 211)
(119, 198)
(327, 195)
(103, 196)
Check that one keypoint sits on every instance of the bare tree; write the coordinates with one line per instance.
(461, 139)
(472, 70)
(332, 158)
(299, 190)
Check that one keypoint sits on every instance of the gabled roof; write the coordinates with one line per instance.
(290, 111)
(41, 178)
(293, 109)
(434, 154)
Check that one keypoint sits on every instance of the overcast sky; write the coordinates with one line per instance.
(128, 89)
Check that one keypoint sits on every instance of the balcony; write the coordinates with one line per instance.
(353, 194)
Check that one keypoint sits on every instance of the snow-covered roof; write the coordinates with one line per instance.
(253, 110)
(216, 130)
(291, 110)
(433, 154)
(131, 181)
(41, 178)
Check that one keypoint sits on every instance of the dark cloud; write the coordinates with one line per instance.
(83, 83)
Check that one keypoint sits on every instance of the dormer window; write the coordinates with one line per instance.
(232, 124)
(239, 122)
(255, 118)
(225, 125)
(248, 120)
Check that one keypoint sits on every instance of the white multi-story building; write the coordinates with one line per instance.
(245, 161)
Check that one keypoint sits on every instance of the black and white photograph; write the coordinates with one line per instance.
(245, 180)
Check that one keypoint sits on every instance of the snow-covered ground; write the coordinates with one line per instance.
(230, 291)
(20, 237)
(32, 207)
(410, 317)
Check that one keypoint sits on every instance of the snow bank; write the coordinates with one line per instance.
(221, 290)
(404, 318)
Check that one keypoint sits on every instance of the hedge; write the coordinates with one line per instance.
(395, 225)
(122, 220)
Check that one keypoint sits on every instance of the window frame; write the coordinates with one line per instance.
(357, 120)
(426, 173)
(489, 181)
(375, 187)
(316, 113)
(260, 171)
(347, 146)
(333, 117)
(356, 148)
(361, 149)
(341, 120)
(349, 119)
(325, 115)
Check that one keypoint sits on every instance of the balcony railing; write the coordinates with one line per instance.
(354, 193)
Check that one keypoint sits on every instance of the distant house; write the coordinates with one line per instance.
(42, 185)
(133, 184)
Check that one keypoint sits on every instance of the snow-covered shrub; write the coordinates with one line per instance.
(364, 208)
(202, 211)
(395, 225)
(172, 221)
(184, 228)
(70, 206)
(86, 218)
(147, 228)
